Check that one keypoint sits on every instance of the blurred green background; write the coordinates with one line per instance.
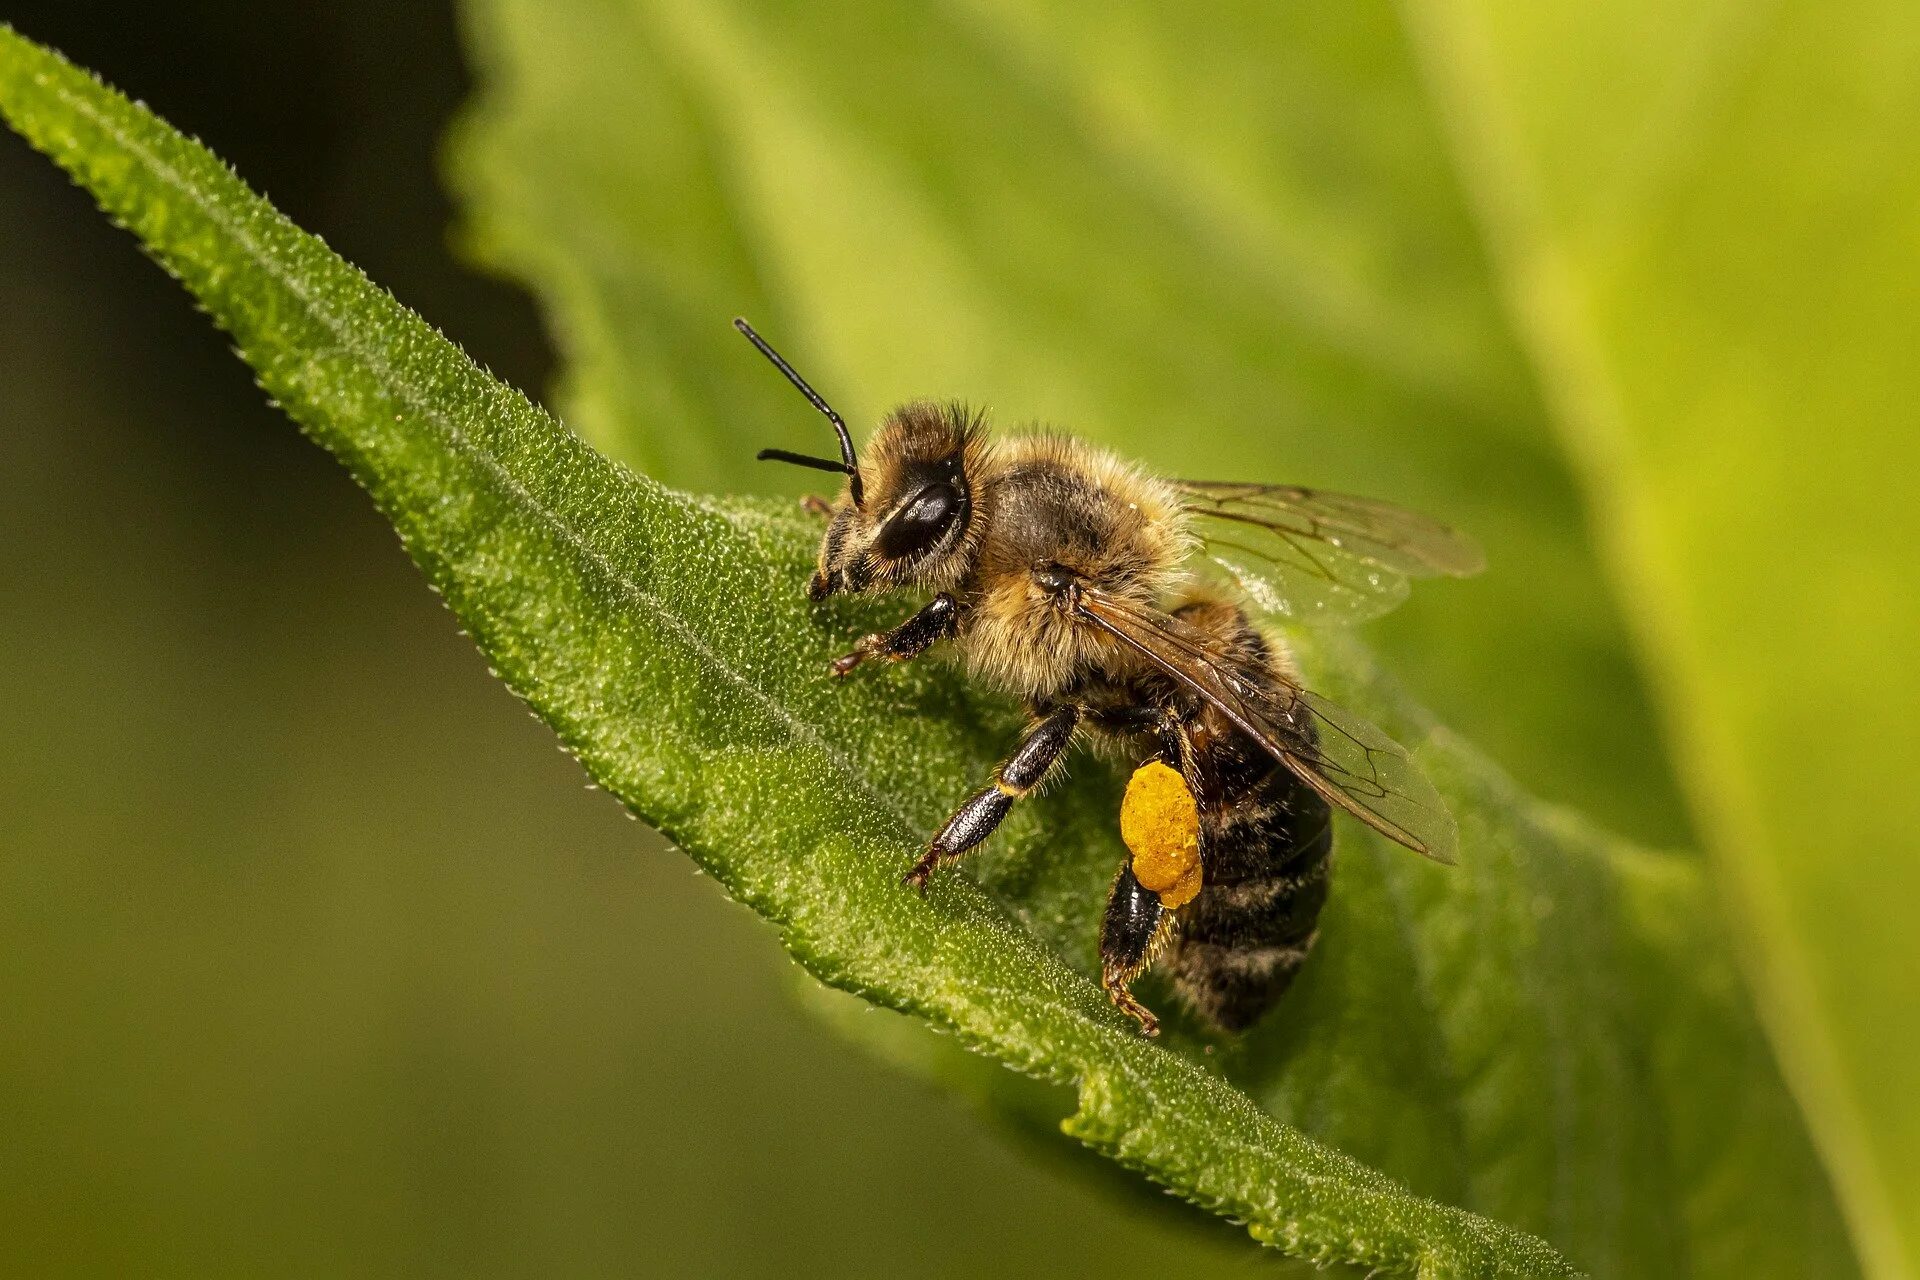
(316, 955)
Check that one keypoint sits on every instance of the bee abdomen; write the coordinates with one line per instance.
(1268, 864)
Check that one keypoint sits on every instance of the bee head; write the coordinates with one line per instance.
(906, 514)
(903, 518)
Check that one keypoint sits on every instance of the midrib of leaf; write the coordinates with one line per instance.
(1541, 289)
(1142, 1105)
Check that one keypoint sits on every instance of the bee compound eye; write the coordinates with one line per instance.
(920, 523)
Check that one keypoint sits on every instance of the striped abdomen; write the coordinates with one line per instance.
(1266, 843)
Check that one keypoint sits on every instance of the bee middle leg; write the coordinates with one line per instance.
(1045, 742)
(935, 621)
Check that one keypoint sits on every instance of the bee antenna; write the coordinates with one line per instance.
(802, 460)
(847, 463)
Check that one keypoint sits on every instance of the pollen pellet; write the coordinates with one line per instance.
(1161, 826)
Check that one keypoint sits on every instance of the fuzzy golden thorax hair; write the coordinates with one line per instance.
(1058, 502)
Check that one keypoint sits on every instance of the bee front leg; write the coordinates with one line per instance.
(936, 621)
(1045, 742)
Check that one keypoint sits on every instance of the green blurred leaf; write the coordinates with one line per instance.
(613, 607)
(1706, 213)
(1225, 239)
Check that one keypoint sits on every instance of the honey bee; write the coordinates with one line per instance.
(1128, 607)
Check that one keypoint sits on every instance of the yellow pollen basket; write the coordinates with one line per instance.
(1161, 826)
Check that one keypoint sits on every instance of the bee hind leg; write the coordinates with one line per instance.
(1132, 933)
(1045, 742)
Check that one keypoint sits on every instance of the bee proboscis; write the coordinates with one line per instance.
(1116, 603)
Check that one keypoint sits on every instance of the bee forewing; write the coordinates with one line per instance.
(1347, 760)
(1310, 556)
(1365, 772)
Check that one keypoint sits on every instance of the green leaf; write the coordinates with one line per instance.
(1550, 1032)
(1705, 213)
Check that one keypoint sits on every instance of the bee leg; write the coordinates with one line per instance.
(1045, 742)
(936, 621)
(815, 505)
(1133, 931)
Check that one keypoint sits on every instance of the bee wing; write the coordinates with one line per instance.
(1348, 761)
(1306, 555)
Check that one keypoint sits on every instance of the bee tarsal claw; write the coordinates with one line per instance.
(1124, 1001)
(922, 872)
(869, 646)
